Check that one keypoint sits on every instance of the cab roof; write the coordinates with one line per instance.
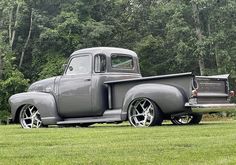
(104, 50)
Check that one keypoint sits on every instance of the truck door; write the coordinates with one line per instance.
(75, 93)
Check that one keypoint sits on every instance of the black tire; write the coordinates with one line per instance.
(85, 124)
(159, 117)
(143, 112)
(66, 125)
(196, 118)
(190, 119)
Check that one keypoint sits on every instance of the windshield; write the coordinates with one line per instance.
(79, 65)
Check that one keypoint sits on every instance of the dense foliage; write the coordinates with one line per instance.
(170, 36)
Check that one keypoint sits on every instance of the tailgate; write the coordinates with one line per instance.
(212, 89)
(212, 95)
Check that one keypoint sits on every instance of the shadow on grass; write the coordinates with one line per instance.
(126, 125)
(167, 124)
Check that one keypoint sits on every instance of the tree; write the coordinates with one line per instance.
(28, 37)
(12, 80)
(200, 49)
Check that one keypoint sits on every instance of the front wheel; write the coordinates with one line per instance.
(143, 112)
(187, 119)
(29, 117)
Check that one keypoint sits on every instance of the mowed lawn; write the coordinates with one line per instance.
(207, 143)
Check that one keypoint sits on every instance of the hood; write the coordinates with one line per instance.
(46, 85)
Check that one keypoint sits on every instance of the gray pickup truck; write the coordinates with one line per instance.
(104, 85)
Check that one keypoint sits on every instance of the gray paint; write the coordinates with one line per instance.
(213, 89)
(182, 82)
(105, 97)
(108, 51)
(45, 102)
(168, 98)
(46, 85)
(107, 117)
(74, 98)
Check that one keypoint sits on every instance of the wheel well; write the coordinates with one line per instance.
(146, 98)
(18, 113)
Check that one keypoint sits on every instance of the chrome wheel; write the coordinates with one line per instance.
(143, 113)
(182, 120)
(194, 118)
(29, 117)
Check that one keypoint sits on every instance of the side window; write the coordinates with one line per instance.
(79, 65)
(120, 61)
(100, 63)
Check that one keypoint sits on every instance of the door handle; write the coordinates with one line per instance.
(87, 79)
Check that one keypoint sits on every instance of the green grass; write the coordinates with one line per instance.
(207, 143)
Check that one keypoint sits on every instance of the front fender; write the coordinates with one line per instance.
(168, 98)
(44, 102)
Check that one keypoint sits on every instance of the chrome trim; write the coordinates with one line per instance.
(223, 76)
(211, 94)
(207, 108)
(109, 97)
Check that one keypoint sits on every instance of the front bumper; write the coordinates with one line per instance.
(211, 108)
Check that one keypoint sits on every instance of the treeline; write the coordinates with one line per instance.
(170, 36)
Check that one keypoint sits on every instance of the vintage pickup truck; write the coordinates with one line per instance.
(104, 85)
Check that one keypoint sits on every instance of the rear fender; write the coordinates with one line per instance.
(44, 102)
(168, 98)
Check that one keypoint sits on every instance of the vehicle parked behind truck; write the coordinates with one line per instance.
(104, 85)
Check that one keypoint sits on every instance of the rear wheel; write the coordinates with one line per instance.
(29, 117)
(187, 119)
(143, 112)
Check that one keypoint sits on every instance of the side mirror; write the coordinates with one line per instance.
(70, 68)
(64, 66)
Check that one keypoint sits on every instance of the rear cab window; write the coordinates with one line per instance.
(122, 62)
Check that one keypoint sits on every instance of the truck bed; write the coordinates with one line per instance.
(117, 89)
(212, 91)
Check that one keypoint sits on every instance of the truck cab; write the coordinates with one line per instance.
(82, 87)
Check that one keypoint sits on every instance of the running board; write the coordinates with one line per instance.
(108, 117)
